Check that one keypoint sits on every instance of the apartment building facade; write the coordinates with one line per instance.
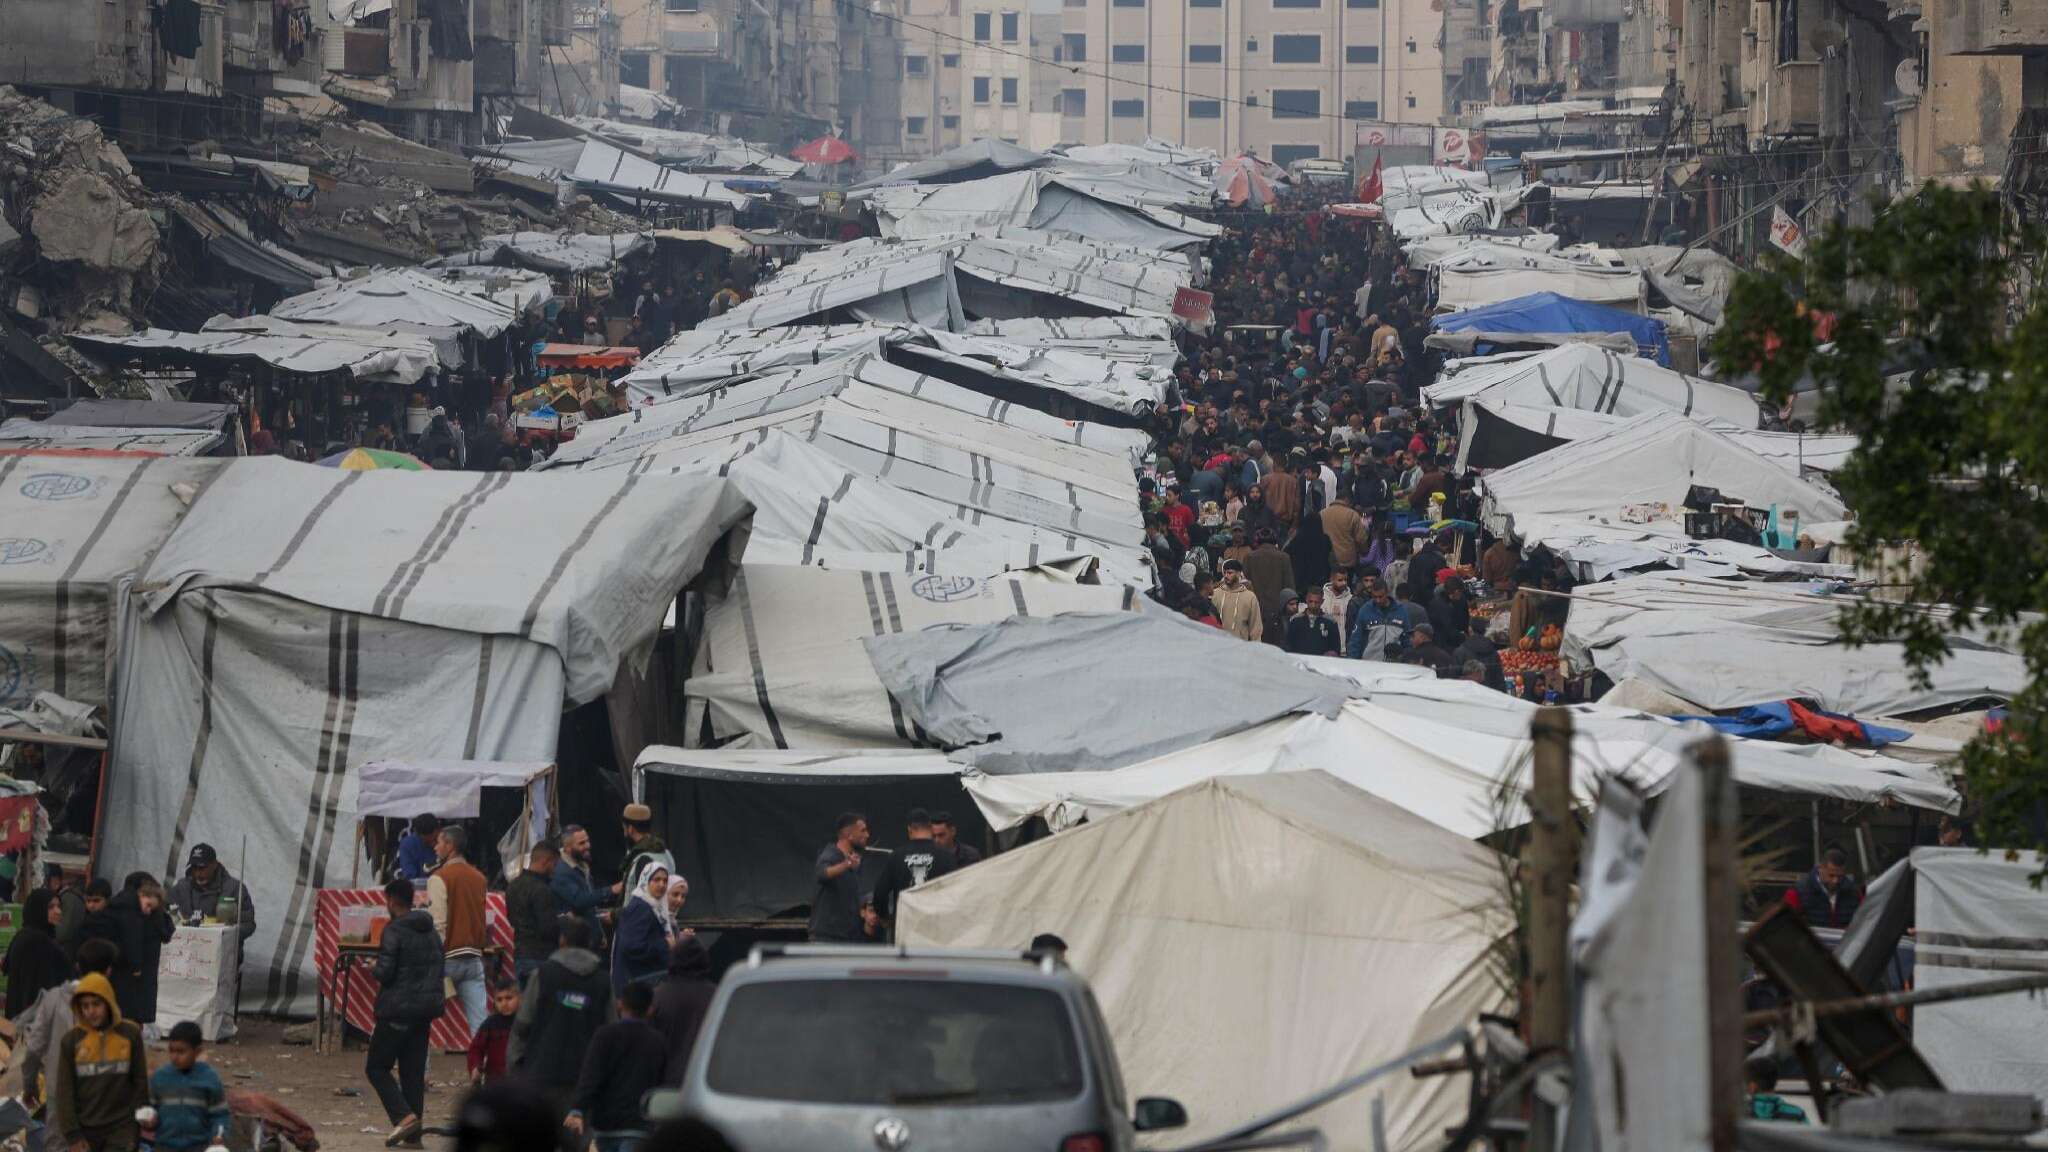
(1288, 79)
(977, 69)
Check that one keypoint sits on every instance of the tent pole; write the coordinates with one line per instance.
(1548, 861)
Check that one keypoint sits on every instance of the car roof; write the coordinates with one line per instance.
(812, 962)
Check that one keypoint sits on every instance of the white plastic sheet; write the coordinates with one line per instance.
(1253, 939)
(1979, 917)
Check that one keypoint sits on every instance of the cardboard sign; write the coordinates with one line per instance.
(1787, 234)
(1194, 306)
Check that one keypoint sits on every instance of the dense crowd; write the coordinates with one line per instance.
(1300, 495)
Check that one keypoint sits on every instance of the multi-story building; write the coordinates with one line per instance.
(971, 69)
(1285, 78)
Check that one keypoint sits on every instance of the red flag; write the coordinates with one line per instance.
(1370, 189)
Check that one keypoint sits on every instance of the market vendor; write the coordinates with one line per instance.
(206, 884)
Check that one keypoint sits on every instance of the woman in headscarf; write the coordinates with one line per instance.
(1381, 552)
(34, 961)
(1310, 551)
(640, 947)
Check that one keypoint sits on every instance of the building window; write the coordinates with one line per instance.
(1127, 3)
(950, 123)
(633, 69)
(981, 23)
(1073, 101)
(1205, 3)
(950, 60)
(1361, 109)
(1205, 53)
(1411, 101)
(1361, 3)
(1126, 109)
(680, 5)
(1076, 3)
(1361, 53)
(1009, 89)
(1009, 27)
(1205, 109)
(1127, 53)
(1297, 3)
(1788, 31)
(1296, 104)
(1297, 49)
(981, 89)
(1411, 47)
(1076, 46)
(913, 125)
(913, 65)
(1285, 154)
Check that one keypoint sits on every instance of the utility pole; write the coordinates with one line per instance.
(1549, 864)
(1720, 898)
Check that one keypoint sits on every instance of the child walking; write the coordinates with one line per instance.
(191, 1102)
(102, 1074)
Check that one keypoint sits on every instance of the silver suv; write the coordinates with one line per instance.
(814, 1048)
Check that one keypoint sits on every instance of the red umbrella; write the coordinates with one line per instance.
(826, 150)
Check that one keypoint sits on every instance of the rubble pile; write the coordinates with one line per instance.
(71, 193)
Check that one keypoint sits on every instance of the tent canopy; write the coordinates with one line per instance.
(1548, 313)
(449, 789)
(971, 161)
(1589, 379)
(1359, 932)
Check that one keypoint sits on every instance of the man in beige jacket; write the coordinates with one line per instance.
(1346, 530)
(1237, 606)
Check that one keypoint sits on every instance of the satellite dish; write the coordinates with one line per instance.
(1828, 35)
(1907, 77)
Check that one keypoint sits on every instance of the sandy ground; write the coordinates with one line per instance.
(317, 1086)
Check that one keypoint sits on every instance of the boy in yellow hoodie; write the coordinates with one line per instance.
(102, 1073)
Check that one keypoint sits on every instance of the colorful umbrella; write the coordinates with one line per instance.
(826, 150)
(368, 459)
(1242, 182)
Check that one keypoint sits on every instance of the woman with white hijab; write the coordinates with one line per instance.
(640, 946)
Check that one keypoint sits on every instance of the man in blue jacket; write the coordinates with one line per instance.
(1380, 627)
(571, 881)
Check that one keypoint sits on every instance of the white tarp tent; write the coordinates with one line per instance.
(780, 662)
(1979, 917)
(1471, 287)
(364, 355)
(1140, 339)
(1615, 500)
(20, 434)
(1724, 644)
(71, 528)
(700, 358)
(1101, 206)
(1441, 749)
(1589, 379)
(553, 252)
(400, 295)
(1537, 429)
(304, 620)
(1361, 932)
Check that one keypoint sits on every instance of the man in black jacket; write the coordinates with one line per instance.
(532, 909)
(409, 999)
(568, 999)
(680, 1002)
(626, 1058)
(920, 859)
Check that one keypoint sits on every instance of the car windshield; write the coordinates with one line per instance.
(880, 1041)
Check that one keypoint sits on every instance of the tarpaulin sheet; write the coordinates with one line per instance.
(1589, 379)
(1009, 696)
(403, 363)
(20, 434)
(745, 824)
(389, 295)
(781, 665)
(1550, 313)
(1499, 426)
(1979, 917)
(240, 715)
(1225, 928)
(1472, 287)
(143, 414)
(450, 789)
(970, 161)
(695, 360)
(1723, 645)
(584, 565)
(70, 527)
(1443, 749)
(553, 252)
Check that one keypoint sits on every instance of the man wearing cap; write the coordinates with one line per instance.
(206, 885)
(643, 847)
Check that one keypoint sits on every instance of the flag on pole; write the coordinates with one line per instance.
(1371, 189)
(1786, 233)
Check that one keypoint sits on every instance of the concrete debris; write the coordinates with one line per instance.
(82, 208)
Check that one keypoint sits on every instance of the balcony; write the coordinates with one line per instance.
(1994, 27)
(1789, 101)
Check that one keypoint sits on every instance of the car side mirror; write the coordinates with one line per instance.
(662, 1104)
(1157, 1114)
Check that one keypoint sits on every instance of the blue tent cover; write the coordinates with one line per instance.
(1550, 312)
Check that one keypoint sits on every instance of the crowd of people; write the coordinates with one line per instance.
(1300, 495)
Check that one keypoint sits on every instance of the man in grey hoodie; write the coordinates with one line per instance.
(567, 1000)
(43, 1029)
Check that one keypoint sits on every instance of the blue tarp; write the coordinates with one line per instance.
(1550, 312)
(1770, 721)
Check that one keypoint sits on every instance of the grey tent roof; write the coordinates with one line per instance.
(1053, 694)
(971, 161)
(143, 414)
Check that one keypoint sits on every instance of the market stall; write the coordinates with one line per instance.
(524, 802)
